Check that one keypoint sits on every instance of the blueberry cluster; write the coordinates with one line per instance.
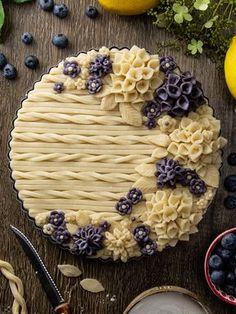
(124, 205)
(169, 173)
(179, 94)
(59, 10)
(141, 235)
(222, 265)
(101, 66)
(60, 233)
(88, 240)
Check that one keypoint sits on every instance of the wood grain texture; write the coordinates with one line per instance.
(183, 265)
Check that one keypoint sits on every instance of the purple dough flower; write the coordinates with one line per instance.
(197, 187)
(104, 225)
(166, 172)
(124, 206)
(167, 64)
(94, 85)
(141, 233)
(149, 247)
(56, 218)
(88, 240)
(135, 195)
(101, 66)
(162, 93)
(187, 176)
(71, 68)
(181, 107)
(173, 79)
(188, 77)
(58, 87)
(61, 235)
(151, 124)
(152, 110)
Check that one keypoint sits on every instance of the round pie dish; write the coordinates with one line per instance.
(115, 153)
(217, 291)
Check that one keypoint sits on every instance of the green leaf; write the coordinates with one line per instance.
(178, 18)
(2, 16)
(161, 20)
(21, 1)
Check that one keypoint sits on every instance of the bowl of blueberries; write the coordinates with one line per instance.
(220, 266)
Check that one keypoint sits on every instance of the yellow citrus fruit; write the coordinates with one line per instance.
(230, 67)
(128, 7)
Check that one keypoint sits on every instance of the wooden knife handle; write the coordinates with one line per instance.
(63, 309)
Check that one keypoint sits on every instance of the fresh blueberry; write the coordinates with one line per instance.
(31, 62)
(9, 71)
(232, 263)
(218, 250)
(3, 60)
(60, 41)
(218, 277)
(232, 159)
(229, 241)
(91, 11)
(230, 278)
(230, 183)
(60, 10)
(229, 289)
(46, 5)
(27, 38)
(215, 262)
(226, 255)
(230, 202)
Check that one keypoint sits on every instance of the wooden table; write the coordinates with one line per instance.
(183, 265)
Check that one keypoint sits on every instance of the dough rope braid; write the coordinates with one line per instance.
(73, 139)
(75, 157)
(16, 286)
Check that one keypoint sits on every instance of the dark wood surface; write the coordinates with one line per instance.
(183, 265)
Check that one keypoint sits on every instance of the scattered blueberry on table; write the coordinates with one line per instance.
(91, 11)
(31, 62)
(232, 159)
(27, 38)
(46, 5)
(230, 202)
(9, 71)
(3, 60)
(222, 264)
(60, 41)
(60, 10)
(230, 183)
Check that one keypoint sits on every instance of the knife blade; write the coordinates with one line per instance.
(58, 303)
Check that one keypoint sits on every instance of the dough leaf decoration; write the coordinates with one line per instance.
(146, 184)
(69, 270)
(92, 285)
(130, 115)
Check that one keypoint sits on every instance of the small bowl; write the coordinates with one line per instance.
(218, 292)
(156, 291)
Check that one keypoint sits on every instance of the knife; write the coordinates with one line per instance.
(48, 284)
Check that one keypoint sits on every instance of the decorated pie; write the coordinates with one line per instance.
(116, 153)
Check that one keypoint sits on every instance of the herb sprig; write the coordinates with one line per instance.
(201, 25)
(2, 14)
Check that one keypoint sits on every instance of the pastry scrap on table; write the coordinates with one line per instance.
(16, 286)
(116, 153)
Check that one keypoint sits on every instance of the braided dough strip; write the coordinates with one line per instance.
(16, 286)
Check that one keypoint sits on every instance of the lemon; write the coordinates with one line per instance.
(128, 7)
(230, 67)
